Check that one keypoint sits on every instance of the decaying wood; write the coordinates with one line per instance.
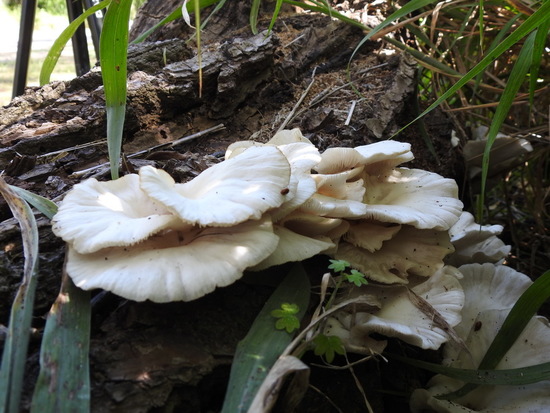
(145, 356)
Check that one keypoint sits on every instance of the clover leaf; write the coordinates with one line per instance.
(287, 319)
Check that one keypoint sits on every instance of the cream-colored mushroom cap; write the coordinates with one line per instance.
(175, 265)
(487, 287)
(96, 215)
(410, 251)
(386, 153)
(287, 136)
(412, 196)
(420, 316)
(528, 350)
(475, 243)
(233, 191)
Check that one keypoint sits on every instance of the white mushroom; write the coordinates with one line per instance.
(410, 251)
(475, 243)
(491, 291)
(487, 287)
(412, 196)
(175, 265)
(385, 154)
(528, 350)
(370, 235)
(96, 215)
(422, 315)
(233, 191)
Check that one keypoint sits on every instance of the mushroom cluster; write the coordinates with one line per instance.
(144, 236)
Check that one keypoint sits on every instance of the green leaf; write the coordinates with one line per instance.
(338, 265)
(356, 278)
(254, 10)
(328, 347)
(509, 377)
(515, 80)
(538, 53)
(14, 356)
(263, 344)
(278, 5)
(287, 319)
(113, 51)
(63, 384)
(44, 205)
(55, 51)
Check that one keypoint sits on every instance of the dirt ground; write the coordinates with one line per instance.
(252, 86)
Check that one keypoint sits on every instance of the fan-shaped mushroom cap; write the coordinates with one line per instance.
(491, 291)
(236, 148)
(412, 196)
(486, 287)
(96, 215)
(528, 350)
(175, 265)
(233, 191)
(287, 136)
(421, 316)
(386, 153)
(314, 225)
(327, 206)
(410, 251)
(475, 243)
(301, 156)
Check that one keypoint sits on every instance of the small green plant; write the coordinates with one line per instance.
(286, 317)
(354, 276)
(327, 347)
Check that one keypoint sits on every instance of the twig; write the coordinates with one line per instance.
(216, 128)
(297, 105)
(73, 148)
(350, 113)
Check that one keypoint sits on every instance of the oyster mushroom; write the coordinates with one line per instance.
(422, 315)
(179, 264)
(490, 291)
(233, 191)
(96, 215)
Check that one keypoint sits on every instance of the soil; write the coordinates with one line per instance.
(252, 85)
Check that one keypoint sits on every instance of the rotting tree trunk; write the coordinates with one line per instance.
(148, 356)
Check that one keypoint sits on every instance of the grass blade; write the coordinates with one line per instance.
(515, 80)
(113, 51)
(263, 344)
(538, 52)
(509, 377)
(254, 10)
(278, 5)
(44, 205)
(57, 48)
(15, 348)
(64, 381)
